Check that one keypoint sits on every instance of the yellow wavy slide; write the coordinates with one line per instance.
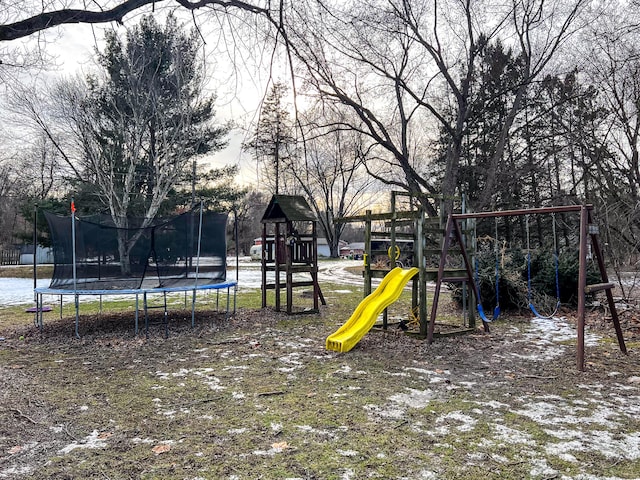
(366, 314)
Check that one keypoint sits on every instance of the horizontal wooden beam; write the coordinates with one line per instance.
(378, 216)
(522, 211)
(598, 287)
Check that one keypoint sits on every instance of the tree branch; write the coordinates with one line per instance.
(46, 20)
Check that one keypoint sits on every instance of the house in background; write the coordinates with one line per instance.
(353, 250)
(324, 250)
(43, 255)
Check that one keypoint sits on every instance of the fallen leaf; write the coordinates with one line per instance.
(15, 450)
(162, 448)
(104, 435)
(279, 446)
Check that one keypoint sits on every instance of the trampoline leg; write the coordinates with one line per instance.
(235, 291)
(77, 314)
(193, 308)
(40, 320)
(226, 317)
(60, 307)
(146, 316)
(166, 317)
(136, 317)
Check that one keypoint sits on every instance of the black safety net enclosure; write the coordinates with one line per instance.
(188, 250)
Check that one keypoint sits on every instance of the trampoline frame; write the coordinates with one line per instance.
(145, 292)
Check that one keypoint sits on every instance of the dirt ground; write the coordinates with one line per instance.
(259, 396)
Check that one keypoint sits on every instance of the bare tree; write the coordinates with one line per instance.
(26, 18)
(405, 68)
(136, 129)
(614, 68)
(331, 171)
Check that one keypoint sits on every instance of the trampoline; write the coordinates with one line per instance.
(95, 256)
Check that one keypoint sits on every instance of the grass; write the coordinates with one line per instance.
(258, 396)
(25, 271)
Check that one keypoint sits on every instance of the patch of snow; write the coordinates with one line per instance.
(395, 413)
(563, 434)
(11, 472)
(626, 446)
(276, 427)
(466, 423)
(499, 458)
(90, 441)
(541, 469)
(397, 374)
(546, 413)
(429, 373)
(347, 453)
(567, 457)
(236, 431)
(422, 475)
(292, 359)
(142, 440)
(486, 443)
(309, 429)
(293, 345)
(511, 435)
(289, 369)
(414, 398)
(348, 474)
(493, 404)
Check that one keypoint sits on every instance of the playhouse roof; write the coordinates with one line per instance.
(283, 208)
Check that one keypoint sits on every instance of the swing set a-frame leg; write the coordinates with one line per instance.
(452, 230)
(583, 289)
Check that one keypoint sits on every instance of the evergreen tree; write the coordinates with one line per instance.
(273, 142)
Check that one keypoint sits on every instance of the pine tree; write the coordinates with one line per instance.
(273, 142)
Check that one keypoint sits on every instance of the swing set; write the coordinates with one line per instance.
(588, 232)
(556, 262)
(479, 308)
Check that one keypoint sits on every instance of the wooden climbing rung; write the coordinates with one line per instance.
(598, 287)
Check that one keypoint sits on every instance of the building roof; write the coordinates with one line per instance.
(353, 246)
(284, 208)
